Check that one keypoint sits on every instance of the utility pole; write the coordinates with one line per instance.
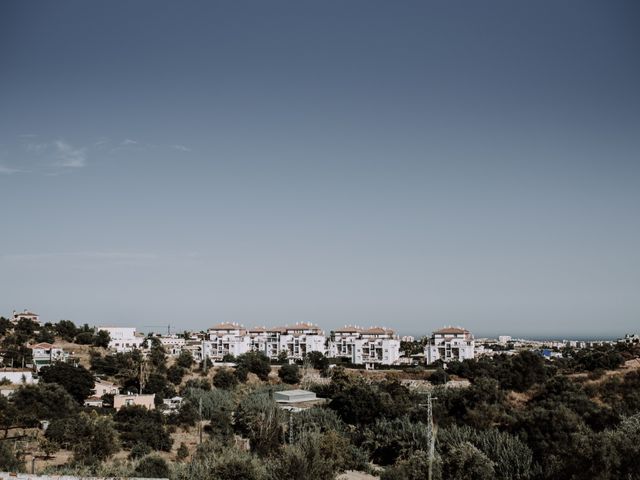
(204, 357)
(200, 422)
(431, 431)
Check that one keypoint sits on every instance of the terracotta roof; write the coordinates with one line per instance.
(378, 331)
(258, 329)
(226, 326)
(451, 330)
(348, 329)
(277, 329)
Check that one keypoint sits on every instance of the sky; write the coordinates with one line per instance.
(400, 164)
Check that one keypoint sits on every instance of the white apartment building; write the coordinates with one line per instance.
(124, 339)
(365, 346)
(450, 344)
(296, 340)
(227, 339)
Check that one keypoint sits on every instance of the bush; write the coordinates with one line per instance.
(289, 374)
(152, 466)
(136, 424)
(9, 462)
(139, 450)
(225, 379)
(255, 362)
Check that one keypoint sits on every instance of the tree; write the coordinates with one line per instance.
(152, 466)
(92, 437)
(5, 326)
(303, 459)
(136, 424)
(78, 381)
(319, 362)
(101, 339)
(225, 378)
(42, 402)
(66, 329)
(255, 362)
(389, 439)
(9, 461)
(175, 373)
(411, 468)
(289, 374)
(463, 461)
(259, 418)
(182, 453)
(185, 359)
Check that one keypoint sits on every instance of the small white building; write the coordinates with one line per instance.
(102, 387)
(368, 346)
(450, 344)
(124, 339)
(173, 344)
(296, 341)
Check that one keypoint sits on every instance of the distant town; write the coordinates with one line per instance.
(370, 347)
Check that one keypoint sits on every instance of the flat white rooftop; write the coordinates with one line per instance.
(294, 396)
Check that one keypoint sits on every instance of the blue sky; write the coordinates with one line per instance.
(405, 164)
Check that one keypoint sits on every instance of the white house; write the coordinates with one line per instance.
(368, 346)
(123, 339)
(102, 387)
(173, 344)
(26, 314)
(45, 354)
(449, 344)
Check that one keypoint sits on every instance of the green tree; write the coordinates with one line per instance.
(9, 461)
(463, 461)
(260, 419)
(66, 329)
(319, 362)
(76, 380)
(182, 453)
(185, 359)
(136, 424)
(175, 373)
(152, 466)
(101, 339)
(289, 374)
(225, 378)
(42, 402)
(304, 459)
(255, 362)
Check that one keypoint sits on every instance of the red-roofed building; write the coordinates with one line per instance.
(449, 344)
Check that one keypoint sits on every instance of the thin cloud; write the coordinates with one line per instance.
(4, 170)
(182, 148)
(28, 257)
(70, 156)
(128, 141)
